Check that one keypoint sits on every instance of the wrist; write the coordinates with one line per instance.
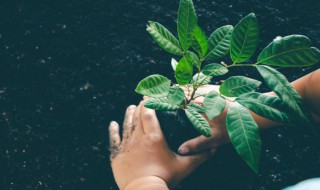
(147, 183)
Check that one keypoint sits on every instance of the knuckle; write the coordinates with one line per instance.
(154, 138)
(147, 115)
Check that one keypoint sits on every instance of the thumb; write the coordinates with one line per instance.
(195, 145)
(189, 163)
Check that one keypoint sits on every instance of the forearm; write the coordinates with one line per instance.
(308, 88)
(147, 183)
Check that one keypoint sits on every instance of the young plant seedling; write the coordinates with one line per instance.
(241, 43)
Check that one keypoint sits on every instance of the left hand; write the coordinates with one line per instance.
(143, 151)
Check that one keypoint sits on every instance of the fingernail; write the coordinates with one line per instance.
(132, 107)
(183, 150)
(113, 123)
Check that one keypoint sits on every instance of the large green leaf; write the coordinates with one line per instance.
(270, 107)
(196, 107)
(199, 122)
(237, 85)
(290, 51)
(213, 104)
(175, 96)
(219, 43)
(164, 38)
(155, 86)
(244, 39)
(160, 104)
(244, 134)
(193, 58)
(214, 70)
(199, 41)
(187, 22)
(184, 71)
(200, 77)
(280, 85)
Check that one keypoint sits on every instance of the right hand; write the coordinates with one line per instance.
(219, 134)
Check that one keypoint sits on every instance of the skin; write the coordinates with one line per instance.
(308, 88)
(142, 159)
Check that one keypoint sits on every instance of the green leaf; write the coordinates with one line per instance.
(214, 70)
(187, 22)
(160, 104)
(193, 58)
(290, 51)
(197, 78)
(219, 43)
(244, 135)
(175, 96)
(155, 86)
(237, 85)
(280, 85)
(270, 107)
(164, 38)
(174, 64)
(199, 41)
(196, 107)
(199, 122)
(184, 71)
(244, 39)
(213, 104)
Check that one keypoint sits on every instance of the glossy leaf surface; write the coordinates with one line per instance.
(196, 107)
(244, 134)
(280, 85)
(199, 122)
(199, 41)
(160, 104)
(237, 85)
(290, 51)
(175, 96)
(214, 70)
(155, 86)
(200, 77)
(193, 58)
(184, 71)
(244, 39)
(164, 38)
(187, 22)
(213, 105)
(219, 43)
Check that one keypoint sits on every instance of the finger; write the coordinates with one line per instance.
(128, 122)
(195, 145)
(189, 163)
(114, 138)
(150, 121)
(145, 97)
(137, 124)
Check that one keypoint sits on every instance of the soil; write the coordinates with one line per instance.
(70, 67)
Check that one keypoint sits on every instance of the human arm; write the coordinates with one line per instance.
(142, 160)
(308, 88)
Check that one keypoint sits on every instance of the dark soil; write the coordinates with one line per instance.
(70, 67)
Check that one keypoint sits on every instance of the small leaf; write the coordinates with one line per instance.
(219, 43)
(155, 86)
(174, 64)
(244, 135)
(199, 122)
(237, 85)
(175, 96)
(164, 38)
(196, 107)
(270, 107)
(290, 51)
(187, 22)
(244, 39)
(199, 41)
(213, 105)
(280, 85)
(193, 58)
(214, 70)
(160, 104)
(197, 78)
(184, 71)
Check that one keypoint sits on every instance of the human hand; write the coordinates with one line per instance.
(143, 156)
(219, 134)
